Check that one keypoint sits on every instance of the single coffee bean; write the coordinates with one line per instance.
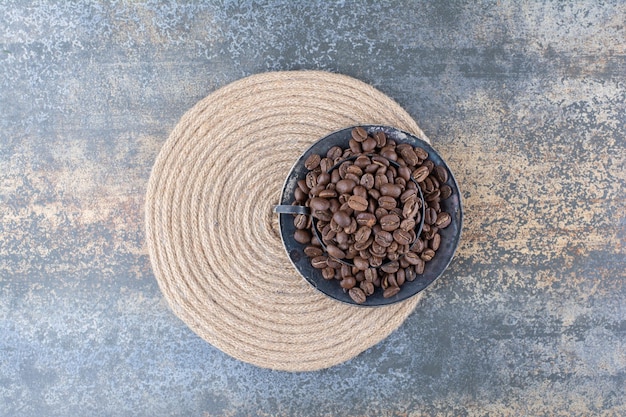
(302, 186)
(313, 251)
(391, 280)
(390, 292)
(387, 202)
(390, 222)
(446, 191)
(433, 196)
(312, 162)
(390, 267)
(405, 173)
(418, 245)
(326, 164)
(392, 190)
(365, 244)
(358, 203)
(410, 274)
(389, 153)
(342, 218)
(362, 161)
(419, 266)
(369, 144)
(345, 186)
(430, 216)
(357, 295)
(345, 271)
(407, 224)
(400, 277)
(327, 194)
(352, 228)
(381, 161)
(443, 220)
(370, 274)
(301, 221)
(359, 134)
(333, 263)
(319, 262)
(324, 215)
(335, 252)
(421, 153)
(367, 287)
(300, 195)
(318, 203)
(441, 173)
(410, 208)
(408, 154)
(377, 249)
(362, 234)
(328, 273)
(420, 174)
(334, 153)
(407, 194)
(427, 255)
(367, 181)
(323, 179)
(366, 219)
(435, 242)
(348, 282)
(383, 238)
(402, 237)
(412, 258)
(302, 236)
(311, 179)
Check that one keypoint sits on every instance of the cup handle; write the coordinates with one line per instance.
(287, 209)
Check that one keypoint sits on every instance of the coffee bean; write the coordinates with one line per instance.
(328, 273)
(443, 220)
(302, 236)
(410, 274)
(400, 277)
(407, 224)
(432, 196)
(367, 181)
(365, 244)
(358, 203)
(435, 242)
(430, 216)
(324, 215)
(359, 134)
(333, 263)
(319, 204)
(392, 190)
(390, 222)
(390, 267)
(357, 295)
(381, 139)
(383, 238)
(427, 255)
(335, 252)
(362, 234)
(420, 174)
(334, 153)
(441, 173)
(387, 202)
(402, 237)
(301, 221)
(446, 191)
(342, 218)
(312, 162)
(348, 282)
(419, 266)
(361, 263)
(300, 195)
(362, 161)
(319, 262)
(367, 287)
(421, 153)
(408, 154)
(412, 258)
(345, 186)
(369, 144)
(366, 219)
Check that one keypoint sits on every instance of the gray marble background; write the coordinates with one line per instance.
(525, 100)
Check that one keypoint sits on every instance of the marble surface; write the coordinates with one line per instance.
(526, 102)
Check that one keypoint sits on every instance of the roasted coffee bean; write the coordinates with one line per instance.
(328, 273)
(335, 252)
(319, 204)
(357, 295)
(312, 162)
(390, 267)
(400, 277)
(352, 228)
(334, 153)
(430, 216)
(367, 181)
(369, 144)
(370, 274)
(441, 174)
(333, 263)
(383, 238)
(435, 242)
(392, 190)
(313, 251)
(377, 249)
(302, 186)
(446, 191)
(367, 287)
(432, 196)
(421, 153)
(387, 202)
(311, 179)
(412, 258)
(351, 176)
(427, 255)
(323, 179)
(355, 147)
(327, 194)
(345, 186)
(443, 220)
(407, 153)
(353, 169)
(381, 161)
(402, 237)
(359, 134)
(407, 224)
(326, 164)
(301, 221)
(358, 203)
(362, 234)
(389, 153)
(405, 173)
(420, 174)
(335, 177)
(361, 263)
(362, 161)
(419, 266)
(342, 218)
(390, 222)
(410, 274)
(418, 245)
(408, 194)
(300, 195)
(366, 219)
(364, 245)
(410, 208)
(324, 215)
(319, 262)
(302, 236)
(347, 283)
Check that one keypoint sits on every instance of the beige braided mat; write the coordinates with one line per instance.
(214, 241)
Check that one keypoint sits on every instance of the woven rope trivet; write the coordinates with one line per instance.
(214, 241)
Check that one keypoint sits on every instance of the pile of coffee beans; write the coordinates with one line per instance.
(366, 208)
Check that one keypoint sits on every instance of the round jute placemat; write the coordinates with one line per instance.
(214, 241)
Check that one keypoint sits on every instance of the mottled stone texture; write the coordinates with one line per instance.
(526, 101)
